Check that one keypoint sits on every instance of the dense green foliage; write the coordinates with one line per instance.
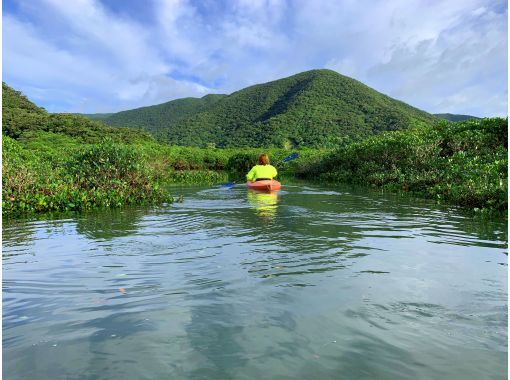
(455, 117)
(21, 117)
(242, 160)
(318, 108)
(66, 162)
(158, 117)
(464, 163)
(14, 100)
(106, 174)
(97, 116)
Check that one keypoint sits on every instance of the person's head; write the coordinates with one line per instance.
(263, 159)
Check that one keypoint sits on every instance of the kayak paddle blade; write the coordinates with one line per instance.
(290, 157)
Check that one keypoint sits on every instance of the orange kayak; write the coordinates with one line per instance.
(264, 185)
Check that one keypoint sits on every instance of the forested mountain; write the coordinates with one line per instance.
(154, 118)
(455, 117)
(96, 116)
(318, 108)
(21, 118)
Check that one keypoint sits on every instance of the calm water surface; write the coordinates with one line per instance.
(309, 283)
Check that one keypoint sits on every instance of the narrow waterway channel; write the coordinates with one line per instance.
(309, 283)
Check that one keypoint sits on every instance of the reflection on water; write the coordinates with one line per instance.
(309, 282)
(264, 203)
(108, 224)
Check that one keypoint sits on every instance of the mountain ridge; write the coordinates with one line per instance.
(455, 117)
(22, 119)
(314, 108)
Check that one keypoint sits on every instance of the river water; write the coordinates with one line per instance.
(309, 283)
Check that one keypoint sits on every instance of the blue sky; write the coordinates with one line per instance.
(106, 56)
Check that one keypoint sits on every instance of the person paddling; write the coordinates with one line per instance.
(263, 171)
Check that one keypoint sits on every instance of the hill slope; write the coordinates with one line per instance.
(455, 117)
(154, 118)
(317, 108)
(22, 119)
(96, 116)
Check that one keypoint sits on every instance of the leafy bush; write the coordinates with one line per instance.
(196, 176)
(242, 162)
(105, 162)
(108, 174)
(464, 163)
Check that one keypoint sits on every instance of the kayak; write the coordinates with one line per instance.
(264, 185)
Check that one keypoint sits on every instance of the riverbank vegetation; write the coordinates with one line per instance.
(107, 174)
(68, 162)
(462, 163)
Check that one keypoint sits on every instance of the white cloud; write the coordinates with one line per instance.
(463, 64)
(431, 54)
(179, 29)
(421, 52)
(346, 66)
(102, 62)
(163, 87)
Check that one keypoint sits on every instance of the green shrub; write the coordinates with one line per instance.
(197, 177)
(463, 163)
(107, 161)
(242, 162)
(107, 174)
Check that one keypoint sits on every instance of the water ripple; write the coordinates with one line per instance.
(311, 283)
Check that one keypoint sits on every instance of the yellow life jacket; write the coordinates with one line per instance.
(261, 171)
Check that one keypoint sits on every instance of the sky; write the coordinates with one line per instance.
(93, 56)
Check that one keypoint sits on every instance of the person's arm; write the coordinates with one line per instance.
(251, 175)
(275, 172)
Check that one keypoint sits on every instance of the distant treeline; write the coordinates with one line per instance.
(20, 118)
(455, 117)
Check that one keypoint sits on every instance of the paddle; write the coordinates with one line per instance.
(290, 157)
(228, 185)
